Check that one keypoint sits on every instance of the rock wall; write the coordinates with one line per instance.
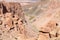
(50, 28)
(11, 21)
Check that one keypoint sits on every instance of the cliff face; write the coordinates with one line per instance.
(11, 21)
(50, 22)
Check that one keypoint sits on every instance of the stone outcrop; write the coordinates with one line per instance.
(11, 21)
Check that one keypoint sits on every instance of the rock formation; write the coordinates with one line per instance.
(11, 21)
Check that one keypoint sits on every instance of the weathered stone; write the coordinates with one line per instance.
(12, 17)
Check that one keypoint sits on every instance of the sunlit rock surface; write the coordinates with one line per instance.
(45, 19)
(11, 21)
(31, 21)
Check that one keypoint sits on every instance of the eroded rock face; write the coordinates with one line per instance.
(51, 22)
(11, 21)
